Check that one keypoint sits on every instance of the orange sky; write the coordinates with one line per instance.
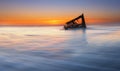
(54, 12)
(38, 19)
(12, 20)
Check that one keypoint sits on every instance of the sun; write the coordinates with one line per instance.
(54, 22)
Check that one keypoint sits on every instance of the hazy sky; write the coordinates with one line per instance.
(52, 12)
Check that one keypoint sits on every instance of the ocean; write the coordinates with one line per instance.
(54, 49)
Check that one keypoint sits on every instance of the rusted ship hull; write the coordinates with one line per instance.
(73, 24)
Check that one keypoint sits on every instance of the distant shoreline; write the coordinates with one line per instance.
(98, 24)
(31, 26)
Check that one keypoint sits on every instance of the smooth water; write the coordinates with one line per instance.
(53, 49)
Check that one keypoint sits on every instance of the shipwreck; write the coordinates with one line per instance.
(75, 23)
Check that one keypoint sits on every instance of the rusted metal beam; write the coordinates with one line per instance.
(73, 24)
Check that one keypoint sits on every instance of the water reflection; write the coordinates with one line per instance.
(84, 36)
(30, 49)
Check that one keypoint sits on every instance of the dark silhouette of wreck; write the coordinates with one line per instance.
(75, 23)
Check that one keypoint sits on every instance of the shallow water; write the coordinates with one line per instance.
(53, 49)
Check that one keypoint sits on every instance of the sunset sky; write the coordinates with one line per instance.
(57, 12)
